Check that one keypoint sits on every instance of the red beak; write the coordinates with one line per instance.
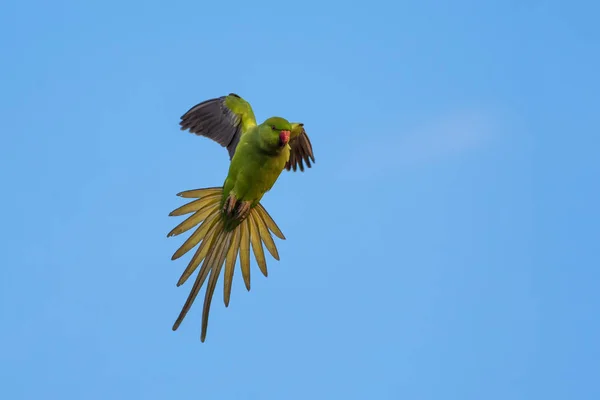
(284, 138)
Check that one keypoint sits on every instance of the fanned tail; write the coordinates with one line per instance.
(219, 245)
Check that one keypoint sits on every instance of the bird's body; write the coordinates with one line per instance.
(254, 168)
(231, 218)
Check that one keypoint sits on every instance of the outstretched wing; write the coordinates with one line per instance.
(301, 149)
(223, 119)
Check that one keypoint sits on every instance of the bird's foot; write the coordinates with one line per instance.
(229, 205)
(243, 210)
(236, 209)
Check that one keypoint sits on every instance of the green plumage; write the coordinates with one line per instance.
(258, 161)
(231, 219)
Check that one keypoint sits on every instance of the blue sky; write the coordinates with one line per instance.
(442, 247)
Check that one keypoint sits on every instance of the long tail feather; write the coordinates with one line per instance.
(198, 193)
(230, 265)
(192, 221)
(245, 253)
(269, 221)
(196, 205)
(259, 254)
(265, 236)
(200, 254)
(196, 288)
(197, 236)
(215, 271)
(219, 244)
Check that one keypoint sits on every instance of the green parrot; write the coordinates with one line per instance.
(230, 218)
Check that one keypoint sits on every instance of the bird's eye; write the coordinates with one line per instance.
(273, 127)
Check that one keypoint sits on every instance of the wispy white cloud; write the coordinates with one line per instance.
(446, 137)
(441, 140)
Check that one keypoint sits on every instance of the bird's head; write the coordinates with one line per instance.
(276, 132)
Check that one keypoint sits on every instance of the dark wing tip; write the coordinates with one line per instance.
(301, 153)
(214, 120)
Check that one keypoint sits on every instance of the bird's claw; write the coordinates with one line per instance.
(237, 209)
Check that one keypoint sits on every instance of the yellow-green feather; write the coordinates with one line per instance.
(245, 253)
(222, 235)
(230, 265)
(218, 248)
(257, 248)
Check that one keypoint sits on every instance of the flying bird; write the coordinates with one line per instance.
(230, 218)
